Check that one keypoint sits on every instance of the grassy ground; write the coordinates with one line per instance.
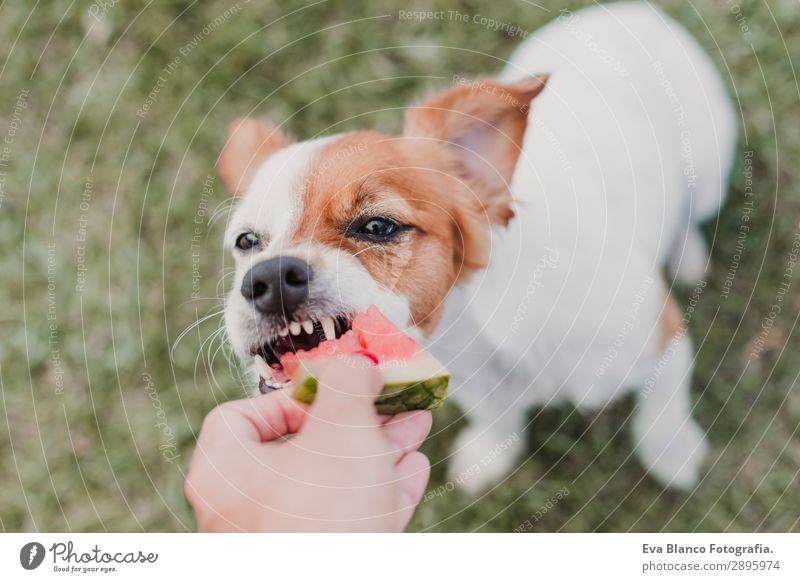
(109, 251)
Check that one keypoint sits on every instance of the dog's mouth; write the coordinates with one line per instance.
(305, 335)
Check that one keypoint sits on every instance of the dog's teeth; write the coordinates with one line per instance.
(328, 328)
(262, 368)
(308, 326)
(294, 328)
(283, 332)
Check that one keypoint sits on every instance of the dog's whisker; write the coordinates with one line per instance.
(208, 349)
(220, 287)
(210, 360)
(218, 299)
(208, 342)
(227, 352)
(189, 328)
(222, 209)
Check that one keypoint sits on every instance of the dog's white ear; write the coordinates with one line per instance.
(250, 142)
(484, 123)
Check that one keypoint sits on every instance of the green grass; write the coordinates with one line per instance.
(79, 446)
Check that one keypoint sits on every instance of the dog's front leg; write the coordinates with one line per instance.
(490, 447)
(669, 442)
(487, 451)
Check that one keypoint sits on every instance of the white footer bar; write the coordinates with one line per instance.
(404, 557)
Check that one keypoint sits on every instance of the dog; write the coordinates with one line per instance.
(528, 228)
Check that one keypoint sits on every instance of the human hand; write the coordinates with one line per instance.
(346, 469)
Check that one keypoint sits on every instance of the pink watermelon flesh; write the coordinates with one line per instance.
(371, 335)
(413, 378)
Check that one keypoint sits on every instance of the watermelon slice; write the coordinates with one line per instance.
(413, 379)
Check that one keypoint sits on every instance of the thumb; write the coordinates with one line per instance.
(346, 392)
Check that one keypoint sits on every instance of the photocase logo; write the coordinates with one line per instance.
(31, 555)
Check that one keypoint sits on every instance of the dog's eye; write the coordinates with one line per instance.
(247, 241)
(379, 228)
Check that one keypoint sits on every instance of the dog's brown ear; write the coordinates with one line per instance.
(250, 142)
(484, 123)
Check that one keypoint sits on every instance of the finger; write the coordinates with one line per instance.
(260, 419)
(346, 392)
(406, 431)
(413, 472)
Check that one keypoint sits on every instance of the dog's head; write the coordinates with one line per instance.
(326, 227)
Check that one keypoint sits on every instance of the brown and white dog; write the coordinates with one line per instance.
(521, 225)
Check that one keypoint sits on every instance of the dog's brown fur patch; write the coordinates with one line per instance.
(250, 142)
(670, 322)
(367, 174)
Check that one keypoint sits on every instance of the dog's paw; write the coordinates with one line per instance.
(675, 459)
(480, 460)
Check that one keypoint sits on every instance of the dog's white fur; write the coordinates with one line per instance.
(626, 152)
(604, 198)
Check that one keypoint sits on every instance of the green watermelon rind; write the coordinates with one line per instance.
(426, 394)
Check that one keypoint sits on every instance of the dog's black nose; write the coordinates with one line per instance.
(277, 286)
